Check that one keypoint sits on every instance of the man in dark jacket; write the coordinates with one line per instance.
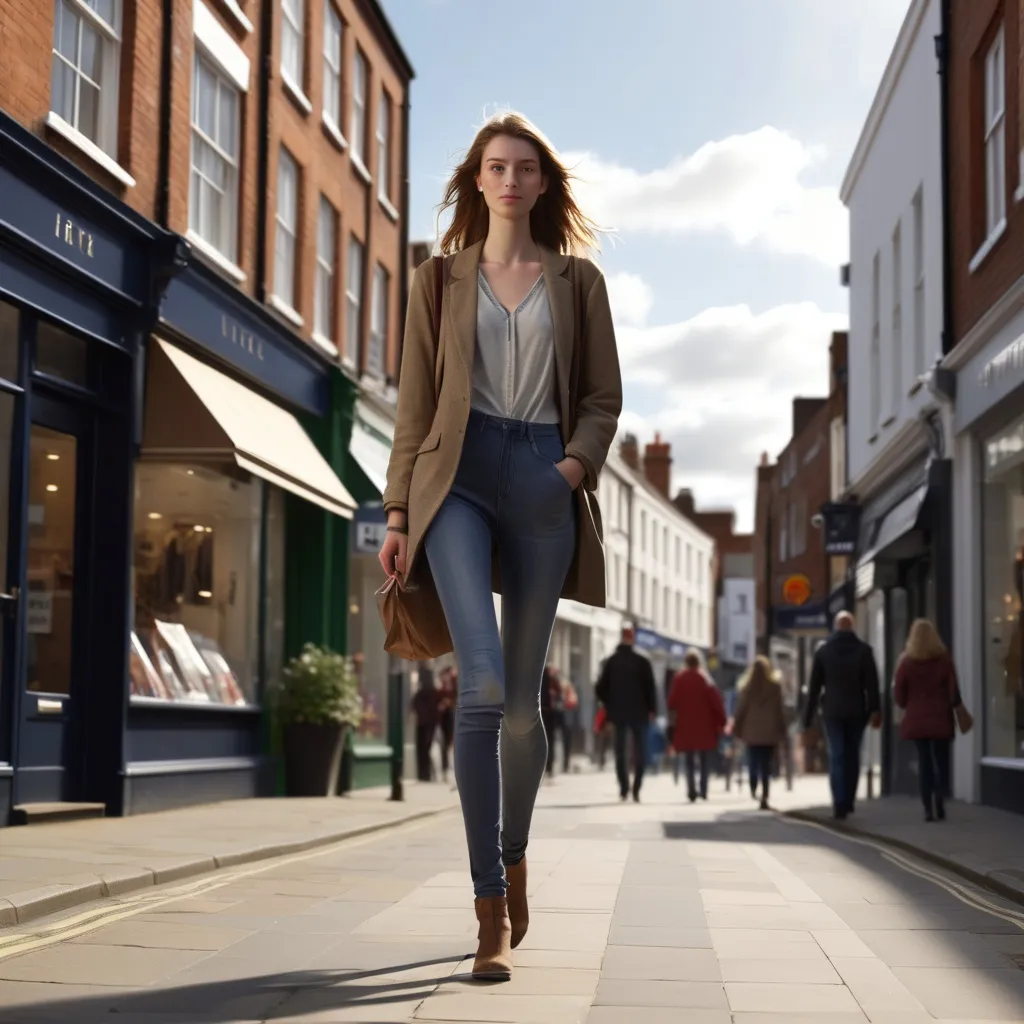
(626, 689)
(844, 667)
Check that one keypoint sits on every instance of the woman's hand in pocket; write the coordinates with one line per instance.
(572, 471)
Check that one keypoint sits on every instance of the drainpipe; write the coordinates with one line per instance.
(403, 233)
(263, 145)
(942, 55)
(163, 200)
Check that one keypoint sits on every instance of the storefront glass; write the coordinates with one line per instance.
(197, 585)
(1003, 547)
(273, 640)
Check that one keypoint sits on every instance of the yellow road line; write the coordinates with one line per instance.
(966, 892)
(15, 944)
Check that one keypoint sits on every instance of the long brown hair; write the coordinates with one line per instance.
(761, 675)
(556, 221)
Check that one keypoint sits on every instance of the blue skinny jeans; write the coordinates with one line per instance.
(508, 498)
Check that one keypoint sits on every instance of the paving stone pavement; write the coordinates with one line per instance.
(641, 914)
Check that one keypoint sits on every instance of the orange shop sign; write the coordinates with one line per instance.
(796, 589)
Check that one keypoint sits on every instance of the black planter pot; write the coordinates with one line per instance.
(312, 758)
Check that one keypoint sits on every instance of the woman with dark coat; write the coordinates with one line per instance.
(926, 688)
(699, 714)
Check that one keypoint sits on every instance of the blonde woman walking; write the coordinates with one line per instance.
(761, 724)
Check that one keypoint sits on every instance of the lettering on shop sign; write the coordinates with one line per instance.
(251, 344)
(74, 236)
(1010, 360)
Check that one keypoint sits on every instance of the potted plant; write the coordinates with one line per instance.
(317, 702)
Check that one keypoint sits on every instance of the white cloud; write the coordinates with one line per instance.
(748, 186)
(719, 387)
(631, 298)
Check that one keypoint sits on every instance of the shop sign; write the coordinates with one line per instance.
(648, 640)
(992, 375)
(810, 618)
(226, 323)
(842, 525)
(796, 589)
(369, 529)
(39, 611)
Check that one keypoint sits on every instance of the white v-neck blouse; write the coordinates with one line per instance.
(514, 368)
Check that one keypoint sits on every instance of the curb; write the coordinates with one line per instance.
(19, 908)
(978, 878)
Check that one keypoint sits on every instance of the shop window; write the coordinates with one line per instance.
(378, 322)
(1003, 547)
(84, 79)
(273, 636)
(10, 349)
(333, 31)
(213, 199)
(197, 585)
(62, 355)
(354, 301)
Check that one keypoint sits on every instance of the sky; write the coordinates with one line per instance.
(711, 138)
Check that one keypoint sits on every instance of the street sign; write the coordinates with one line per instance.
(796, 589)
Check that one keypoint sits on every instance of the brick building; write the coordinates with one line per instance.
(793, 577)
(984, 94)
(203, 275)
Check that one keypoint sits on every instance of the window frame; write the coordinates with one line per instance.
(229, 225)
(285, 159)
(920, 338)
(994, 133)
(354, 301)
(383, 133)
(358, 120)
(108, 107)
(326, 282)
(334, 74)
(896, 355)
(378, 341)
(293, 19)
(875, 354)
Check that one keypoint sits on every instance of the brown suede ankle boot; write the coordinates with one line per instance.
(494, 951)
(518, 908)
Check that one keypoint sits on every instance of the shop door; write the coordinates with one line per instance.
(8, 563)
(58, 486)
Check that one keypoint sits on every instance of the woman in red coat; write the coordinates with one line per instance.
(926, 688)
(699, 714)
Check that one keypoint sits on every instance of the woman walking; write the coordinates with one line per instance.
(926, 688)
(699, 714)
(505, 418)
(761, 724)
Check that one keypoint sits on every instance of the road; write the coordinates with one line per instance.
(642, 914)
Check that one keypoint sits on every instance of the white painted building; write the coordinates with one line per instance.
(893, 190)
(736, 645)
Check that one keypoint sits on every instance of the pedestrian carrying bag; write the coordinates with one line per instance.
(964, 719)
(414, 624)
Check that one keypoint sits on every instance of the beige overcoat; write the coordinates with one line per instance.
(434, 395)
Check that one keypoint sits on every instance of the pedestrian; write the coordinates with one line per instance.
(761, 724)
(570, 711)
(698, 719)
(926, 688)
(551, 712)
(626, 689)
(602, 735)
(844, 668)
(505, 417)
(426, 707)
(449, 698)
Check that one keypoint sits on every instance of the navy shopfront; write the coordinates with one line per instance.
(225, 472)
(78, 273)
